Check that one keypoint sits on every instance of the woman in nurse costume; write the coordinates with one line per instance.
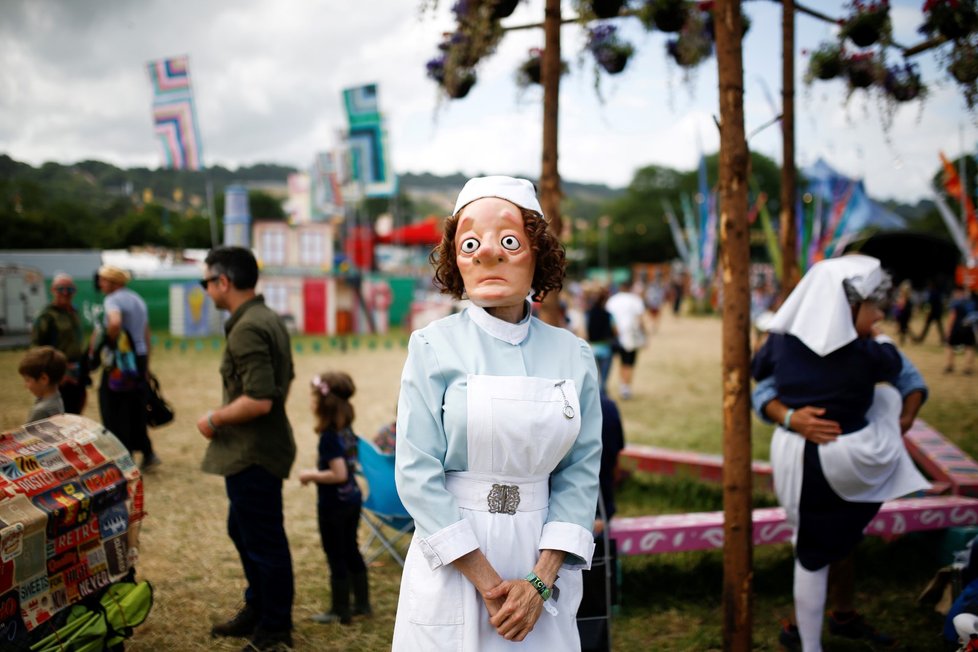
(499, 441)
(824, 350)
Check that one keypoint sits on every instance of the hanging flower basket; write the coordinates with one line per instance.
(610, 52)
(689, 50)
(902, 83)
(827, 62)
(436, 69)
(863, 70)
(664, 15)
(530, 71)
(867, 23)
(459, 84)
(963, 64)
(606, 8)
(503, 8)
(711, 27)
(953, 19)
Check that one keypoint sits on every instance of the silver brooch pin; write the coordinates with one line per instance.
(568, 409)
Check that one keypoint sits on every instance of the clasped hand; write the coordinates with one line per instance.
(514, 608)
(806, 422)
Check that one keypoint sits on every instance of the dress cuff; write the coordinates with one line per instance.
(576, 541)
(448, 544)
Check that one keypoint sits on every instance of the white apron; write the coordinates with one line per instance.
(870, 465)
(517, 432)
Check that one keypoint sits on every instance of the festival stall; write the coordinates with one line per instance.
(71, 501)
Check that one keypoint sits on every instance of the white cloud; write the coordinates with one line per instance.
(268, 77)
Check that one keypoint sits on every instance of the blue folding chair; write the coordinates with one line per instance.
(383, 507)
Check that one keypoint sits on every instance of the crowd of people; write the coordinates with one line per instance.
(505, 437)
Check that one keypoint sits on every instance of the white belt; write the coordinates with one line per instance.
(486, 493)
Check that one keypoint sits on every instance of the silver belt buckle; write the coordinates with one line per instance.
(504, 498)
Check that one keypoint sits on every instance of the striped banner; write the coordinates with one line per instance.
(174, 115)
(370, 162)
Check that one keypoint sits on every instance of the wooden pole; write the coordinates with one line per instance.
(734, 268)
(549, 177)
(789, 233)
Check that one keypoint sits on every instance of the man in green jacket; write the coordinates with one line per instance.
(60, 326)
(251, 445)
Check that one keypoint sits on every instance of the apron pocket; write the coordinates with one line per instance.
(435, 596)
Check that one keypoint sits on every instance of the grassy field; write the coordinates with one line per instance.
(668, 602)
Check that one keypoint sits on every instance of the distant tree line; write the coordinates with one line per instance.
(96, 205)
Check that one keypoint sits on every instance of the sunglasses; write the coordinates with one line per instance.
(64, 290)
(204, 282)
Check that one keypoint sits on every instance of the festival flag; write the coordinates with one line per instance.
(709, 252)
(692, 236)
(837, 222)
(955, 188)
(326, 196)
(370, 162)
(677, 234)
(174, 115)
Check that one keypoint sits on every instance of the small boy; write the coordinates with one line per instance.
(42, 368)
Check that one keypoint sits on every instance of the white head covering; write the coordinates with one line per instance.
(518, 191)
(817, 311)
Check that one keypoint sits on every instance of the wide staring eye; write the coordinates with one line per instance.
(469, 245)
(510, 242)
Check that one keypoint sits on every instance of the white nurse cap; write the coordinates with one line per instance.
(518, 191)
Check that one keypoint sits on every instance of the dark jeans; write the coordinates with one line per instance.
(932, 318)
(338, 532)
(73, 395)
(124, 414)
(257, 528)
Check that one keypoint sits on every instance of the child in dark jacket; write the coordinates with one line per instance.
(339, 498)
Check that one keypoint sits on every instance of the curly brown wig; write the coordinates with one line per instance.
(548, 275)
(333, 409)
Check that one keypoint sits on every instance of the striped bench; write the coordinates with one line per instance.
(941, 460)
(699, 466)
(642, 535)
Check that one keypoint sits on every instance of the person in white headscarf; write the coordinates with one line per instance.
(499, 441)
(838, 453)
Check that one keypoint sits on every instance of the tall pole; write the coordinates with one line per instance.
(735, 263)
(789, 236)
(549, 177)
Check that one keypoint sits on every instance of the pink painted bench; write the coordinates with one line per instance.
(644, 535)
(699, 466)
(940, 459)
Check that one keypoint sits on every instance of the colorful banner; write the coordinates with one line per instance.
(324, 181)
(370, 162)
(677, 234)
(956, 189)
(71, 500)
(174, 115)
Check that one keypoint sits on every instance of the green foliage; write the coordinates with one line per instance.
(639, 230)
(96, 205)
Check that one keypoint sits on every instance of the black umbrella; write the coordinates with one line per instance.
(917, 257)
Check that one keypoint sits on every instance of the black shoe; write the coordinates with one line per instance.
(789, 638)
(150, 463)
(363, 611)
(853, 625)
(269, 641)
(242, 624)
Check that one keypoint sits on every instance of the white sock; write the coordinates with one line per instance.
(810, 588)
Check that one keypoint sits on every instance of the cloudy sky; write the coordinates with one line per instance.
(268, 76)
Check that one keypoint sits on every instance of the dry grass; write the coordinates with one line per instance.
(669, 602)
